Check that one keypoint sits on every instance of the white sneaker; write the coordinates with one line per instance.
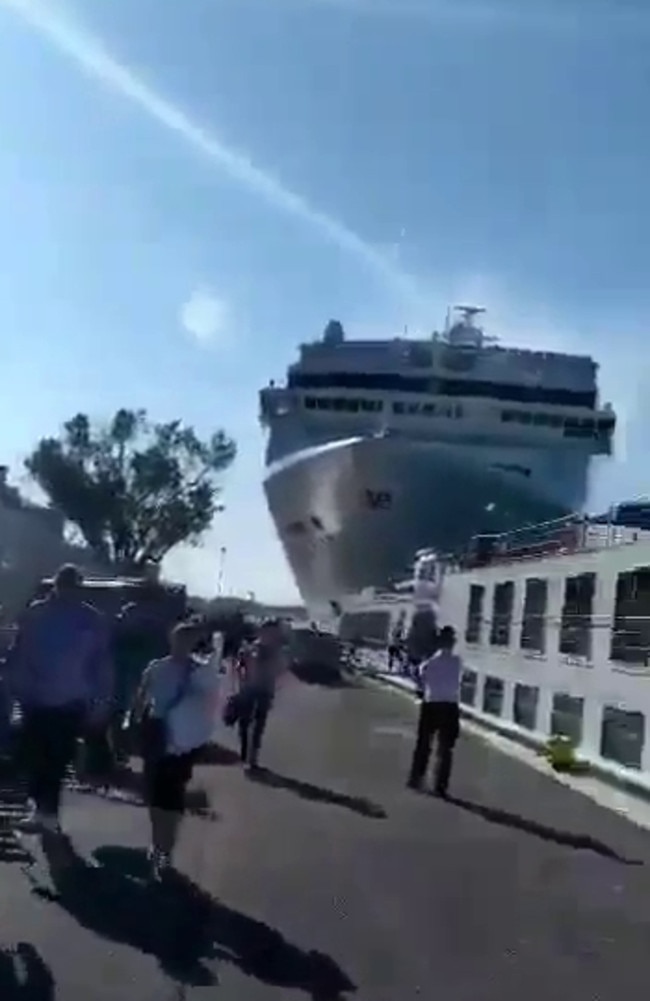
(160, 862)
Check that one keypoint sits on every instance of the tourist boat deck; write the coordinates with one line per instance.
(554, 626)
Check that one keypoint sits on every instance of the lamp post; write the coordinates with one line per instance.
(220, 579)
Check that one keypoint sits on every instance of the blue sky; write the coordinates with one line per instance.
(190, 189)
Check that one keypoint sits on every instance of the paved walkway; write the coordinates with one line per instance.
(327, 880)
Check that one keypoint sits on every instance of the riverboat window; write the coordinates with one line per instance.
(576, 624)
(493, 691)
(371, 628)
(372, 406)
(399, 408)
(504, 596)
(631, 629)
(475, 613)
(533, 629)
(525, 706)
(622, 736)
(566, 717)
(324, 403)
(468, 683)
(311, 402)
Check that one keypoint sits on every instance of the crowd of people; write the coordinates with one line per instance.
(143, 686)
(138, 685)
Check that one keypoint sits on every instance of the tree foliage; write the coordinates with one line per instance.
(134, 489)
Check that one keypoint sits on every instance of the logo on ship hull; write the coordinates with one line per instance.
(378, 500)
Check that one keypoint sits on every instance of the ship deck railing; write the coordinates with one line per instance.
(567, 536)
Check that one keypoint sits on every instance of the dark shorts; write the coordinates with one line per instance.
(166, 780)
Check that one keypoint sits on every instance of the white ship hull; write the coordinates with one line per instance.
(351, 514)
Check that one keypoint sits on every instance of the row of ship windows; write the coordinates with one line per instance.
(351, 405)
(585, 428)
(629, 629)
(622, 733)
(388, 382)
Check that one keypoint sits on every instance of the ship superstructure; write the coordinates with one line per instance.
(377, 448)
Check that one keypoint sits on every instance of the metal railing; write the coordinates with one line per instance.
(568, 535)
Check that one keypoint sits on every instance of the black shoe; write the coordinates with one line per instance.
(441, 794)
(414, 784)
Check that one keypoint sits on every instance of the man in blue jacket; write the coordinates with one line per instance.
(60, 672)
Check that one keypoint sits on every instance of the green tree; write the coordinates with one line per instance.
(134, 489)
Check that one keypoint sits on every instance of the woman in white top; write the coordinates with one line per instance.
(178, 700)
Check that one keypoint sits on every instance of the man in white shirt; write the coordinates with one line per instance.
(439, 682)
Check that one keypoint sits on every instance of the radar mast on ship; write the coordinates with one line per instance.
(464, 332)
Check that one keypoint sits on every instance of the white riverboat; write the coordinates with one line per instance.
(553, 623)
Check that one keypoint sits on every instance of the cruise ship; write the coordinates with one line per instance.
(379, 448)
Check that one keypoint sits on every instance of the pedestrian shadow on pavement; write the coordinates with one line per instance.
(229, 936)
(218, 754)
(317, 794)
(567, 838)
(181, 925)
(127, 786)
(324, 675)
(24, 976)
(122, 905)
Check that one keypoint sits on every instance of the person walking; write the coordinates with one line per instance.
(260, 668)
(439, 679)
(59, 671)
(140, 636)
(175, 710)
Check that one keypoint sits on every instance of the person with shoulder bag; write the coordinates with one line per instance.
(173, 719)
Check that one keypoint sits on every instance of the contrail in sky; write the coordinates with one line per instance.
(88, 52)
